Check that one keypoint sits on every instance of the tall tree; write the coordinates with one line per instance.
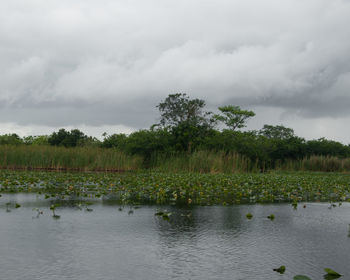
(178, 108)
(233, 116)
(276, 132)
(185, 118)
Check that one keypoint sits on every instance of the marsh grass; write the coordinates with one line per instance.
(102, 159)
(60, 158)
(203, 162)
(316, 163)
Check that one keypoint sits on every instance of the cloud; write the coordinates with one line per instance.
(110, 62)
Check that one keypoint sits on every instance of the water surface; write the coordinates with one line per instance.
(213, 242)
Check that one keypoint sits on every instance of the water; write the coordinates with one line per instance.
(211, 243)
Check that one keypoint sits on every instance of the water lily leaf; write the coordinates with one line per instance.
(330, 277)
(331, 272)
(301, 277)
(281, 269)
(249, 216)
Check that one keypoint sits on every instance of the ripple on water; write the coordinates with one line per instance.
(197, 243)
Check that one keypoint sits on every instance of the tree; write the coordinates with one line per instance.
(68, 139)
(276, 132)
(10, 139)
(185, 119)
(178, 108)
(233, 116)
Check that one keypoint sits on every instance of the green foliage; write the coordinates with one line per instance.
(181, 188)
(61, 158)
(271, 217)
(115, 141)
(301, 277)
(10, 139)
(185, 119)
(72, 138)
(331, 272)
(276, 132)
(148, 142)
(178, 108)
(280, 270)
(233, 116)
(36, 140)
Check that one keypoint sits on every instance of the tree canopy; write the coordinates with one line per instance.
(233, 116)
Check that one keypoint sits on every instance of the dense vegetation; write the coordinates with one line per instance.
(181, 188)
(187, 138)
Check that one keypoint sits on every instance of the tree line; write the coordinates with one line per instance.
(185, 126)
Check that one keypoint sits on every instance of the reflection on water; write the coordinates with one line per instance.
(197, 243)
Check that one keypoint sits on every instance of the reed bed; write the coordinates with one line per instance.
(102, 159)
(316, 163)
(204, 162)
(61, 158)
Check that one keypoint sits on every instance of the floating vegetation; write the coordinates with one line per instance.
(295, 204)
(280, 270)
(330, 272)
(181, 188)
(53, 208)
(301, 277)
(271, 217)
(164, 214)
(249, 216)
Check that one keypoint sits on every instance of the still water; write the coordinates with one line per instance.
(213, 242)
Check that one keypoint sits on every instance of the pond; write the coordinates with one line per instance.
(201, 242)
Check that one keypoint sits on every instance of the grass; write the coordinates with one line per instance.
(316, 163)
(101, 159)
(60, 158)
(203, 162)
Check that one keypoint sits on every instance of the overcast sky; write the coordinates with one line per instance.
(103, 65)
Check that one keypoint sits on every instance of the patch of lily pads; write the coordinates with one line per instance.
(182, 188)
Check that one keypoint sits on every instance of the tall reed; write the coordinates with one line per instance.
(102, 159)
(56, 158)
(316, 163)
(203, 162)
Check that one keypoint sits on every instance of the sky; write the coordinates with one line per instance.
(104, 65)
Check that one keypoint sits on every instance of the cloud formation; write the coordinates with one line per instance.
(109, 62)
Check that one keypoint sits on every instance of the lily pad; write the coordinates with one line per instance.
(249, 216)
(301, 277)
(271, 217)
(281, 269)
(331, 272)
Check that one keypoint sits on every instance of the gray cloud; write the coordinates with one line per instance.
(110, 62)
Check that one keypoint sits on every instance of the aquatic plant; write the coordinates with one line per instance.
(249, 216)
(331, 272)
(295, 204)
(164, 214)
(61, 158)
(53, 208)
(271, 217)
(301, 277)
(181, 188)
(280, 270)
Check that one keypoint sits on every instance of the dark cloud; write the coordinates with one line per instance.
(109, 62)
